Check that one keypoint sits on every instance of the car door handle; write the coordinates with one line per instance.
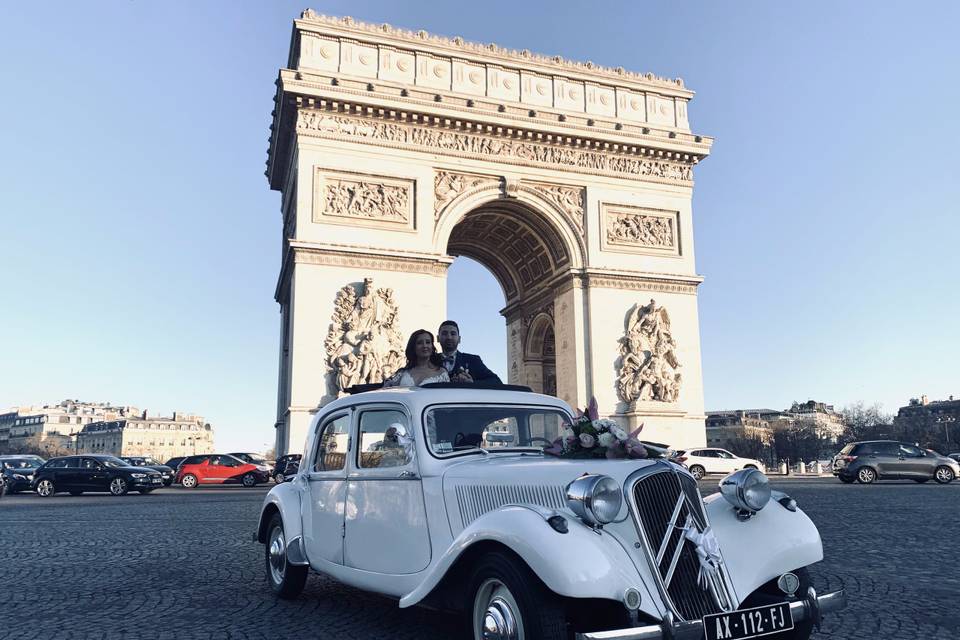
(407, 474)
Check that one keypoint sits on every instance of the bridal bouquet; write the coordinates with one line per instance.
(593, 437)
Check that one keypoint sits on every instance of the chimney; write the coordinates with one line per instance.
(143, 416)
(924, 400)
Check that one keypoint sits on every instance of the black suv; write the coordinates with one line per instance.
(93, 472)
(866, 462)
(150, 463)
(16, 473)
(285, 466)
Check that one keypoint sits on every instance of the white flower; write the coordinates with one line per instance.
(607, 439)
(587, 441)
(568, 433)
(619, 433)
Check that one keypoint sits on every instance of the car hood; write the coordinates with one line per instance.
(481, 484)
(162, 468)
(150, 471)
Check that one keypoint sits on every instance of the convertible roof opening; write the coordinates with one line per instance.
(363, 388)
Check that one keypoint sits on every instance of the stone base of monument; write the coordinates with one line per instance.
(663, 422)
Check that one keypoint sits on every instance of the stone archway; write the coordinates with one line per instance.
(397, 151)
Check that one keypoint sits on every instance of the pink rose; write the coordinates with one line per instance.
(587, 441)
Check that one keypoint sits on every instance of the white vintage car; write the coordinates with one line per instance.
(443, 496)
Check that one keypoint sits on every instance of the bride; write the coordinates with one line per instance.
(424, 364)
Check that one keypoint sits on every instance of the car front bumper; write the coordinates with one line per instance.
(810, 608)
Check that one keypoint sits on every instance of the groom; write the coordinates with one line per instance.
(462, 367)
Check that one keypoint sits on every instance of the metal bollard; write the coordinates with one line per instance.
(783, 468)
(803, 467)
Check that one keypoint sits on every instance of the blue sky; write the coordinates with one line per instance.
(141, 242)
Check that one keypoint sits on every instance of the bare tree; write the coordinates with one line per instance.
(865, 422)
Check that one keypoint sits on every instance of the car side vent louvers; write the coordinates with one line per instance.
(476, 500)
(663, 501)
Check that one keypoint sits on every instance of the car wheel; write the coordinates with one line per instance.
(119, 487)
(698, 472)
(189, 481)
(846, 479)
(866, 475)
(45, 488)
(249, 480)
(509, 601)
(285, 579)
(278, 478)
(76, 493)
(944, 475)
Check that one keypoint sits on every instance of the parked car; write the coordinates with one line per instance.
(954, 456)
(872, 460)
(174, 463)
(93, 472)
(220, 469)
(16, 473)
(166, 471)
(530, 545)
(282, 467)
(713, 460)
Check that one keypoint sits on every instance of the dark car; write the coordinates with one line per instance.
(174, 463)
(284, 466)
(146, 461)
(873, 460)
(250, 458)
(93, 472)
(16, 473)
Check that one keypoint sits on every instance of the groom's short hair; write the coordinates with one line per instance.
(451, 323)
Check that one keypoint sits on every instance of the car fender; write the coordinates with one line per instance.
(582, 563)
(770, 543)
(284, 498)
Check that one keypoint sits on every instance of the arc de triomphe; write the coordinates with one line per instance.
(396, 151)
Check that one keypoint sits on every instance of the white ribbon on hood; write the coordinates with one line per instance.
(707, 548)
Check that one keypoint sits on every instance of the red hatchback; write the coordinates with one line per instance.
(220, 469)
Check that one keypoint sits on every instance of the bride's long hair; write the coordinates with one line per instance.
(411, 350)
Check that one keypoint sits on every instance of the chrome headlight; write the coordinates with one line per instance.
(747, 490)
(138, 475)
(595, 499)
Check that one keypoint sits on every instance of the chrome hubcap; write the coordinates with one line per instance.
(866, 475)
(496, 615)
(278, 555)
(117, 486)
(189, 481)
(248, 481)
(45, 488)
(944, 474)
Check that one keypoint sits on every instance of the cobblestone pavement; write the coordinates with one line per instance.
(180, 564)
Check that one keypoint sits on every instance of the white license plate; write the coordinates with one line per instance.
(748, 623)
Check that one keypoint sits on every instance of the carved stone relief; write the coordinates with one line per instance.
(363, 344)
(364, 198)
(449, 185)
(637, 228)
(568, 199)
(648, 367)
(508, 151)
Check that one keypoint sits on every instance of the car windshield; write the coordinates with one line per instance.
(113, 463)
(20, 463)
(458, 428)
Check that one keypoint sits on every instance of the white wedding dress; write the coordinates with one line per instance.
(403, 378)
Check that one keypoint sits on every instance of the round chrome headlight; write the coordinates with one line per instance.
(747, 490)
(595, 499)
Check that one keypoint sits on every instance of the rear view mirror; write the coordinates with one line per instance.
(500, 438)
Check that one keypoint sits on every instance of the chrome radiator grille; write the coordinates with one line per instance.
(663, 500)
(476, 500)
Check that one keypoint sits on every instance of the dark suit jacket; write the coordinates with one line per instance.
(478, 371)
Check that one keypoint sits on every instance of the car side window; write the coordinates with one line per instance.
(331, 454)
(58, 464)
(72, 463)
(888, 448)
(384, 439)
(910, 451)
(89, 463)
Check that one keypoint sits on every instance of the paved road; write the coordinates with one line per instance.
(179, 564)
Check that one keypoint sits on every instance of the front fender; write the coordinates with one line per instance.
(772, 542)
(581, 563)
(285, 499)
